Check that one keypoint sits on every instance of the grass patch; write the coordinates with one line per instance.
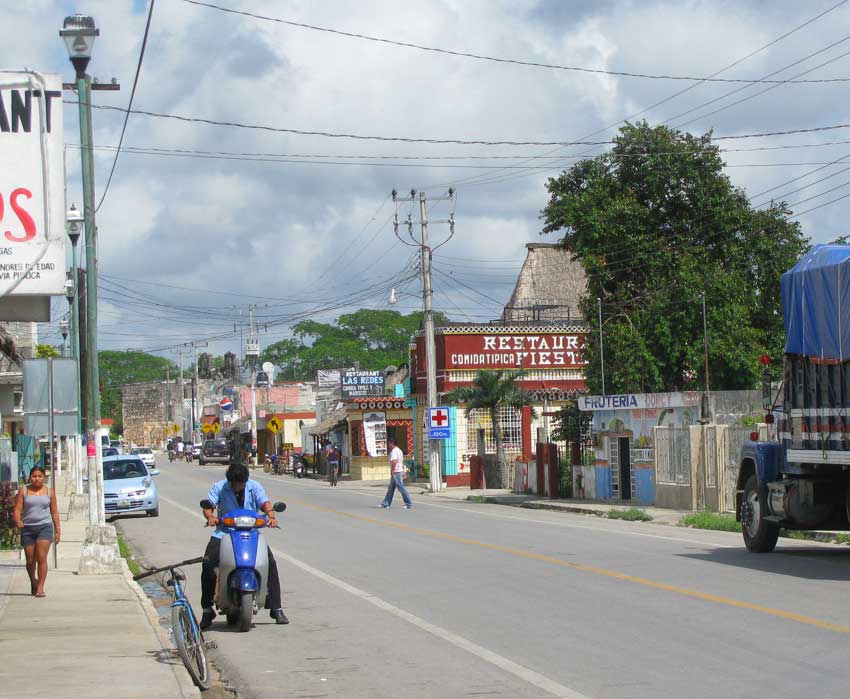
(127, 555)
(633, 514)
(478, 498)
(711, 520)
(841, 538)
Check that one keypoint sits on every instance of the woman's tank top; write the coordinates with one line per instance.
(36, 509)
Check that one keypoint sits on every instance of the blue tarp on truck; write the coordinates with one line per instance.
(816, 304)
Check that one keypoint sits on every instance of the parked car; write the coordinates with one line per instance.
(110, 451)
(196, 450)
(215, 451)
(145, 454)
(128, 486)
(116, 444)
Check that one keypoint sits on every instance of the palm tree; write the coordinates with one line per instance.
(489, 391)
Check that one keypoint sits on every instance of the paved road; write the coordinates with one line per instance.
(456, 599)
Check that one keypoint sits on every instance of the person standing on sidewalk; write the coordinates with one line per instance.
(36, 514)
(396, 476)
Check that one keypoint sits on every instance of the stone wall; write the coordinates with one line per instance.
(147, 408)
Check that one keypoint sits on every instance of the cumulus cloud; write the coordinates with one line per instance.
(208, 236)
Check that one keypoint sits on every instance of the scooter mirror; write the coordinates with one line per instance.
(279, 506)
(207, 505)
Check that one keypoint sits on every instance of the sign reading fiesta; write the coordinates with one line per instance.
(508, 351)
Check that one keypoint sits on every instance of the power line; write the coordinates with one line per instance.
(437, 141)
(495, 59)
(129, 105)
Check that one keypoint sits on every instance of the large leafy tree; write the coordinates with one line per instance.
(490, 390)
(119, 368)
(367, 338)
(656, 223)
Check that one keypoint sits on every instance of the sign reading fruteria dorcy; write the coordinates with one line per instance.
(32, 187)
(362, 384)
(640, 401)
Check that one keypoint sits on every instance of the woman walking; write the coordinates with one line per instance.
(36, 514)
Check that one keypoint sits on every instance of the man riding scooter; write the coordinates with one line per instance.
(236, 492)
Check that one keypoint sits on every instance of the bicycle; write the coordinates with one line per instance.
(187, 634)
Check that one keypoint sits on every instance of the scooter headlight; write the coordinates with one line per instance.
(246, 521)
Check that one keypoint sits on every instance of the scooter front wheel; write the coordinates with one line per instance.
(246, 611)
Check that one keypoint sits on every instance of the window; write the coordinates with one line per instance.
(399, 433)
(510, 421)
(356, 437)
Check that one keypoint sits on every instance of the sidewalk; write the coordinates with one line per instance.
(93, 636)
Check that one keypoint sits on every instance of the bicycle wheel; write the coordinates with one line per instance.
(190, 644)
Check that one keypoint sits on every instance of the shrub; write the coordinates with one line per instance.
(633, 514)
(8, 530)
(711, 520)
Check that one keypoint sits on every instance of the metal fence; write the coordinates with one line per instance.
(672, 455)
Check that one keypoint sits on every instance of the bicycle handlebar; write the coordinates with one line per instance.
(154, 571)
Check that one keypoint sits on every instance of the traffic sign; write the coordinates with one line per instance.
(226, 404)
(438, 423)
(287, 446)
(216, 426)
(176, 429)
(206, 428)
(273, 425)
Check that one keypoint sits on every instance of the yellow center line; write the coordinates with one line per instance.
(685, 592)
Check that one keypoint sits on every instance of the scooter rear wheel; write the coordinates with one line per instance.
(246, 611)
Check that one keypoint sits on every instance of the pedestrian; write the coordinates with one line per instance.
(333, 463)
(36, 514)
(396, 476)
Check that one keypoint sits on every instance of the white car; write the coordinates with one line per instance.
(196, 450)
(146, 455)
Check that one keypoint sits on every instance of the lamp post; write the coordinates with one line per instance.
(74, 225)
(63, 328)
(79, 33)
(99, 553)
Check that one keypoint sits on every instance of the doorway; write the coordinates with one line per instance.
(625, 468)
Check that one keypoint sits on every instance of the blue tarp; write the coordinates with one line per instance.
(816, 303)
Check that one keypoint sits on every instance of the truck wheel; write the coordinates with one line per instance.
(760, 535)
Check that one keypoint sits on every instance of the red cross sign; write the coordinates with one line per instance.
(439, 417)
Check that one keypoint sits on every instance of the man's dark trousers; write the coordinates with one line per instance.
(273, 598)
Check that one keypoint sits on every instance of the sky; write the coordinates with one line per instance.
(301, 226)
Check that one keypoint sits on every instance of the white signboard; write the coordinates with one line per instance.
(640, 401)
(375, 429)
(32, 192)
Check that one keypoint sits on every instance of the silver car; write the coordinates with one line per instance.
(146, 455)
(128, 486)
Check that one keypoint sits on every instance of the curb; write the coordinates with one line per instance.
(181, 675)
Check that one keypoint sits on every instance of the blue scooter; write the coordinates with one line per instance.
(243, 566)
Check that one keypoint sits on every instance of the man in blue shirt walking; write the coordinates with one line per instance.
(237, 491)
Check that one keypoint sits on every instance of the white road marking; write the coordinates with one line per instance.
(520, 671)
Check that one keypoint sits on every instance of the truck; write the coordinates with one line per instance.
(799, 479)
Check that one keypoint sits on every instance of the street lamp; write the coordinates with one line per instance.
(63, 328)
(79, 33)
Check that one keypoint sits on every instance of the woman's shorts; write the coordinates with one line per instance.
(38, 532)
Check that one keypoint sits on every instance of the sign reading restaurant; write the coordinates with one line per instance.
(361, 384)
(504, 351)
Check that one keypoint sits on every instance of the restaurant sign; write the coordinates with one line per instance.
(362, 384)
(507, 351)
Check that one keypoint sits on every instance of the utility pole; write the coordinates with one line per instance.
(194, 345)
(252, 349)
(432, 399)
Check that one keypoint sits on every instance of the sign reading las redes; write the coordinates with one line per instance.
(362, 384)
(32, 206)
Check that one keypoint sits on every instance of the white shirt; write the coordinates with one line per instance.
(396, 460)
(179, 446)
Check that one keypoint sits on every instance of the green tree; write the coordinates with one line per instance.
(46, 351)
(655, 224)
(119, 368)
(367, 338)
(490, 390)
